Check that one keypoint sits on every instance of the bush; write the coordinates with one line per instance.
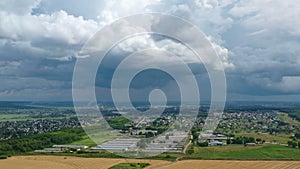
(203, 144)
(190, 151)
(130, 166)
(143, 165)
(133, 165)
(292, 144)
(243, 140)
(3, 157)
(80, 152)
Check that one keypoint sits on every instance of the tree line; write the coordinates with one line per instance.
(40, 141)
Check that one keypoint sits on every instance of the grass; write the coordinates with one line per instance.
(85, 141)
(130, 166)
(167, 156)
(279, 138)
(263, 152)
(286, 118)
(98, 134)
(13, 116)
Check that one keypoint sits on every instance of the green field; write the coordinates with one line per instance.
(13, 116)
(279, 138)
(98, 135)
(130, 166)
(262, 152)
(286, 118)
(85, 141)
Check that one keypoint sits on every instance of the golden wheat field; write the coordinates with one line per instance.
(58, 162)
(222, 164)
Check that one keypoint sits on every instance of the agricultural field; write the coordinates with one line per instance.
(286, 118)
(54, 162)
(279, 138)
(236, 152)
(98, 133)
(4, 116)
(60, 126)
(217, 164)
(85, 141)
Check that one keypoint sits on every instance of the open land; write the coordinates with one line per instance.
(260, 138)
(54, 162)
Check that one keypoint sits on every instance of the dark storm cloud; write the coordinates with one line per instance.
(39, 42)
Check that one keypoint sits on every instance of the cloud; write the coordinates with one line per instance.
(263, 45)
(257, 41)
(57, 28)
(29, 88)
(18, 7)
(37, 52)
(288, 84)
(79, 8)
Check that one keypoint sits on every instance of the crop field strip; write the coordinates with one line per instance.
(53, 162)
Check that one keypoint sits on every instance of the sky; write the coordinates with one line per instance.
(257, 41)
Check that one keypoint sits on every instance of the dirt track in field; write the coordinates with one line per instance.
(59, 162)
